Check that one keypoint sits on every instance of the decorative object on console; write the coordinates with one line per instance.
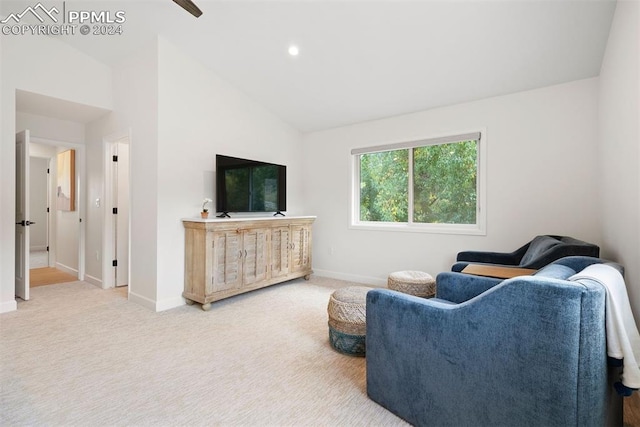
(537, 253)
(205, 210)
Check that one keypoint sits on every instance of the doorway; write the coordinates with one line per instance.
(42, 267)
(56, 237)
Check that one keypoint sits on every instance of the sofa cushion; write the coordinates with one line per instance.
(555, 271)
(538, 245)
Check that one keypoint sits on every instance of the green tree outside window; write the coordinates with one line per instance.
(444, 184)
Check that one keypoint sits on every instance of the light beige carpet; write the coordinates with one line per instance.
(76, 355)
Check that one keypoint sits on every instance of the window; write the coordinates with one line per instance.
(432, 185)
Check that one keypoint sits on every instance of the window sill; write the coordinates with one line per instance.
(473, 230)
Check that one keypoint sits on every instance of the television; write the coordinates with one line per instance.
(244, 185)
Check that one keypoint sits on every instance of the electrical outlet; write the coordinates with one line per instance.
(97, 255)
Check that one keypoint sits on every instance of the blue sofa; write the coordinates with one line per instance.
(537, 253)
(527, 351)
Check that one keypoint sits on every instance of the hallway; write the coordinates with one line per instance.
(41, 274)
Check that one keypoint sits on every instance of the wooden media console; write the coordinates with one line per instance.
(227, 257)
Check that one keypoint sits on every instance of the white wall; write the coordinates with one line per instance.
(49, 67)
(541, 161)
(201, 115)
(95, 190)
(7, 177)
(177, 126)
(50, 128)
(135, 85)
(67, 224)
(619, 145)
(47, 153)
(38, 200)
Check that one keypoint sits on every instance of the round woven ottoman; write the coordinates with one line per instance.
(416, 283)
(347, 320)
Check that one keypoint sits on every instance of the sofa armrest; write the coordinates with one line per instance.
(504, 258)
(460, 287)
(519, 342)
(511, 258)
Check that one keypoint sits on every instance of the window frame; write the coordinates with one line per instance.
(479, 228)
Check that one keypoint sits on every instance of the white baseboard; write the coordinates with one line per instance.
(143, 301)
(365, 280)
(169, 303)
(7, 306)
(93, 280)
(156, 306)
(67, 269)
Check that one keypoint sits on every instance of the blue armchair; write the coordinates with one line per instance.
(537, 253)
(525, 351)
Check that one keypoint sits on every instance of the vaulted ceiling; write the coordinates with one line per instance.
(362, 60)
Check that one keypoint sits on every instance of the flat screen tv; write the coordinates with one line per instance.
(249, 186)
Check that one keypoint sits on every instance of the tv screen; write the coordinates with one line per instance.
(244, 185)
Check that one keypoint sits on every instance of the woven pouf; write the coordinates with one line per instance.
(415, 283)
(347, 320)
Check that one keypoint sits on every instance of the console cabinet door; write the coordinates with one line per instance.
(227, 261)
(300, 248)
(279, 251)
(255, 254)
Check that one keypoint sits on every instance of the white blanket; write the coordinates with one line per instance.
(623, 340)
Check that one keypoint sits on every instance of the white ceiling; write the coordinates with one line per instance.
(364, 60)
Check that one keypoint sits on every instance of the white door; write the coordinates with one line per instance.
(121, 219)
(22, 215)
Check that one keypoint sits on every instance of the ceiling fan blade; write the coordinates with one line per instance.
(189, 6)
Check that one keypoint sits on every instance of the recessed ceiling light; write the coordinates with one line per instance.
(293, 50)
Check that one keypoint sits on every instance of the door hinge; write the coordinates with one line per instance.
(47, 210)
(115, 211)
(47, 248)
(48, 170)
(115, 158)
(114, 263)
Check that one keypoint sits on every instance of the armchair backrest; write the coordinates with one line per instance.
(530, 350)
(565, 267)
